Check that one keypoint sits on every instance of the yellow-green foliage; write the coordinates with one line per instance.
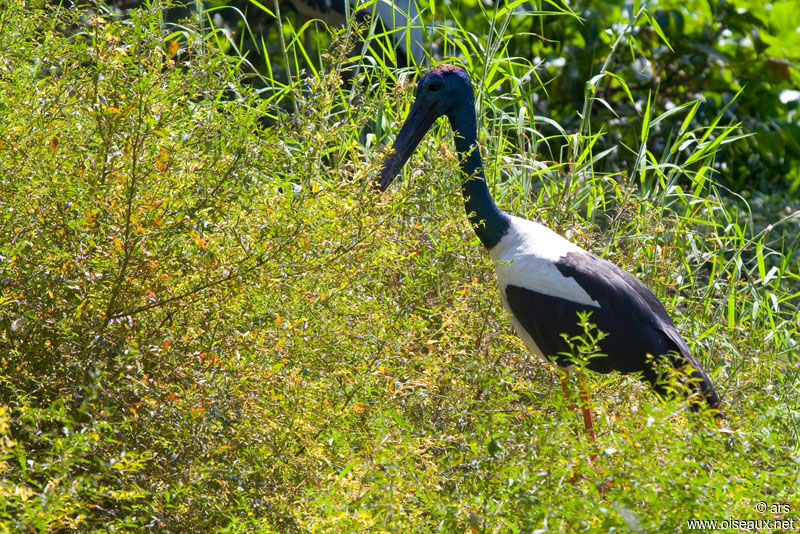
(209, 321)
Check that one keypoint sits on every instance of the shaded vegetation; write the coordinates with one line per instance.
(740, 57)
(209, 324)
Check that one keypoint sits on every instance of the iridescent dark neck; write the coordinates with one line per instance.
(488, 221)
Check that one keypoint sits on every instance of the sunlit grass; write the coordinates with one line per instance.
(210, 321)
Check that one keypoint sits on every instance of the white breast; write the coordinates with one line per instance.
(526, 257)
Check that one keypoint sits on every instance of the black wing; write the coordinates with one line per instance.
(635, 321)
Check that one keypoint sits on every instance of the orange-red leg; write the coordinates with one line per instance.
(583, 391)
(586, 411)
(564, 373)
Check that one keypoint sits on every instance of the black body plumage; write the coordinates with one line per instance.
(545, 280)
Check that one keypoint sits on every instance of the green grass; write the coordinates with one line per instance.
(208, 324)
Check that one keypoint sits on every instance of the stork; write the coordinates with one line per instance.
(400, 17)
(545, 280)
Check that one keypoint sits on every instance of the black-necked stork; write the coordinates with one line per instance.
(400, 17)
(545, 280)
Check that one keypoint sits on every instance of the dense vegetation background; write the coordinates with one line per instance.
(210, 322)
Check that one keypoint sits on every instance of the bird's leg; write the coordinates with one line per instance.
(564, 375)
(583, 393)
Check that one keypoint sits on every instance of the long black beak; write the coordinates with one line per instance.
(420, 119)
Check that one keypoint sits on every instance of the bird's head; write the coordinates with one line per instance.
(443, 90)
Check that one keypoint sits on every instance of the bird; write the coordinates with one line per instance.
(546, 281)
(399, 17)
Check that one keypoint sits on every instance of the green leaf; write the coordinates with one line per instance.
(657, 27)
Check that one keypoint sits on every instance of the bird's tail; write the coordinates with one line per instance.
(686, 373)
(700, 383)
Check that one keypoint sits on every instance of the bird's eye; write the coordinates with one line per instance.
(435, 86)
